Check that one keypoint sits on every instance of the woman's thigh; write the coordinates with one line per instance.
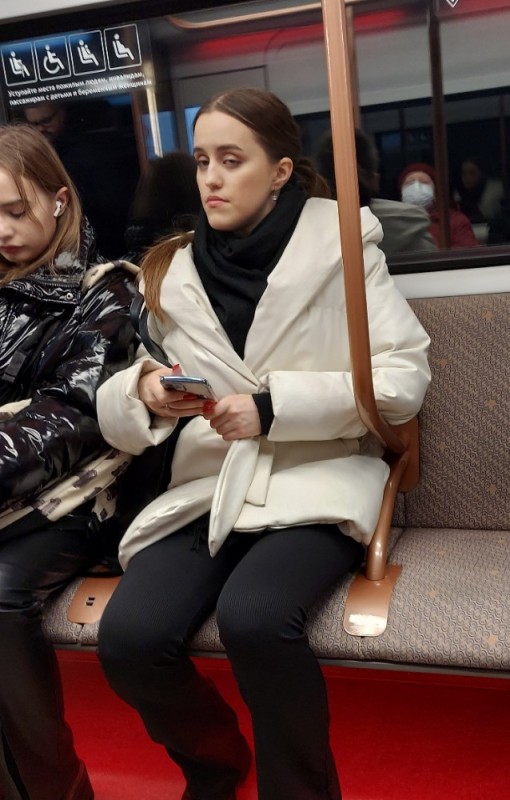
(34, 565)
(282, 575)
(167, 591)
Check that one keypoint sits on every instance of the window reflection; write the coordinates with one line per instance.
(286, 54)
(476, 130)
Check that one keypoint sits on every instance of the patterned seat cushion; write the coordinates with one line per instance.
(464, 422)
(450, 607)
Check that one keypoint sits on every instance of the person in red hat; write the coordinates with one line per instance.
(417, 183)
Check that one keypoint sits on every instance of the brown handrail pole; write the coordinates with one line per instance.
(353, 66)
(440, 149)
(502, 140)
(342, 127)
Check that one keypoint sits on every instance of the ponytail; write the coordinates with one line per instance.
(277, 132)
(155, 265)
(314, 184)
(275, 129)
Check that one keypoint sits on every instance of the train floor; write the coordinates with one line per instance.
(396, 735)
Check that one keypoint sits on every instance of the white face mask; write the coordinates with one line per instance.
(418, 193)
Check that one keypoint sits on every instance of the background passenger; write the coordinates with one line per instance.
(166, 201)
(64, 327)
(274, 486)
(499, 228)
(417, 184)
(100, 169)
(405, 226)
(479, 196)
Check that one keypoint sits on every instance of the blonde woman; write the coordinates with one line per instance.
(64, 328)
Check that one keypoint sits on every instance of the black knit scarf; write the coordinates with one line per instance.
(234, 270)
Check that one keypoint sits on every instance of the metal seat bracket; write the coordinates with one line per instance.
(91, 598)
(368, 603)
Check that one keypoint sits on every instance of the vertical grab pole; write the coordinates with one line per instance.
(439, 126)
(342, 127)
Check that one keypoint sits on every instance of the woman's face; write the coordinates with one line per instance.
(471, 175)
(235, 177)
(23, 239)
(418, 189)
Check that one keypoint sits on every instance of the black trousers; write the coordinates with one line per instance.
(263, 587)
(37, 756)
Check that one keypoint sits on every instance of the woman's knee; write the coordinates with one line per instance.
(127, 643)
(254, 623)
(120, 642)
(16, 597)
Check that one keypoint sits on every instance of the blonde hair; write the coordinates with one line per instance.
(279, 135)
(26, 154)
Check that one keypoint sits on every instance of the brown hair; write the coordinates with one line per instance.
(26, 154)
(167, 191)
(277, 132)
(367, 159)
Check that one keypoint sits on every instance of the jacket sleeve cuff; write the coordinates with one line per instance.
(265, 408)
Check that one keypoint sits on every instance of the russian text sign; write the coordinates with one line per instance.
(76, 65)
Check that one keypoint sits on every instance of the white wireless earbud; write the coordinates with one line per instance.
(58, 208)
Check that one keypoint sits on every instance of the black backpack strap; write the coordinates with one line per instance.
(139, 315)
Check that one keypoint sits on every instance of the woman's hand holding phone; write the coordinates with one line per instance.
(234, 417)
(189, 385)
(166, 403)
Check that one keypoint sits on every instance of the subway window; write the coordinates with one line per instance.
(434, 82)
(430, 82)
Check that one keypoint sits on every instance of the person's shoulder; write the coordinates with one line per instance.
(405, 226)
(107, 271)
(496, 184)
(384, 208)
(114, 279)
(458, 217)
(319, 205)
(494, 190)
(181, 262)
(322, 215)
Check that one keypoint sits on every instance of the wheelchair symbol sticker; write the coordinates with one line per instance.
(18, 63)
(52, 62)
(52, 58)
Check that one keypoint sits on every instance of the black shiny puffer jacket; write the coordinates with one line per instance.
(62, 334)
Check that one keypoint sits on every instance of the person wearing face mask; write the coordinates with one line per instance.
(405, 226)
(417, 183)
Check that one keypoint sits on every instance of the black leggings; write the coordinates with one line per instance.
(37, 757)
(263, 587)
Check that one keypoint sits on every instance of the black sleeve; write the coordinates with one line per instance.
(58, 431)
(265, 408)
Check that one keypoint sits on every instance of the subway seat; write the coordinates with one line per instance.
(451, 604)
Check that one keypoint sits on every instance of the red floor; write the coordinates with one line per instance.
(396, 736)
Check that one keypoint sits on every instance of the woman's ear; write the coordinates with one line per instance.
(284, 170)
(61, 201)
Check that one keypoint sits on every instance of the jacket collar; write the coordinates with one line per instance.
(292, 286)
(62, 282)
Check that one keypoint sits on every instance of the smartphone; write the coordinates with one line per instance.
(182, 383)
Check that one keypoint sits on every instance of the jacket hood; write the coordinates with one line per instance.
(371, 228)
(96, 272)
